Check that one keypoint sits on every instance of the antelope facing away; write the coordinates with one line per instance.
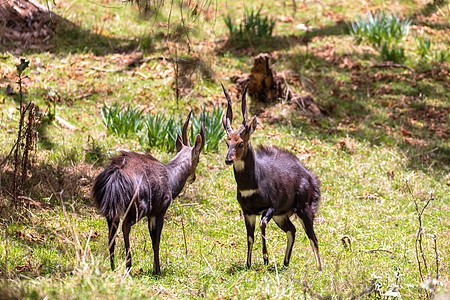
(272, 183)
(135, 185)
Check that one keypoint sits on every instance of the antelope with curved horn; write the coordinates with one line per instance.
(135, 185)
(271, 182)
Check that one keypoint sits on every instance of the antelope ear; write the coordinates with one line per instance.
(178, 143)
(197, 146)
(251, 126)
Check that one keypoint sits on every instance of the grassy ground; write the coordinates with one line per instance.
(384, 144)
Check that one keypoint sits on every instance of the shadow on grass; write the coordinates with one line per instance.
(390, 107)
(55, 189)
(342, 27)
(52, 184)
(430, 8)
(236, 268)
(70, 38)
(275, 43)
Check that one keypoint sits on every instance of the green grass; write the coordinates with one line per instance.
(253, 29)
(386, 128)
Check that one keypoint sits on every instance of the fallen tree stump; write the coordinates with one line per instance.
(263, 85)
(266, 87)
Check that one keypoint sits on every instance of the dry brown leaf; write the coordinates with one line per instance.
(286, 19)
(367, 195)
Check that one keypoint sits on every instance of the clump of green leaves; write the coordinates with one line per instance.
(384, 32)
(423, 48)
(160, 131)
(22, 66)
(425, 51)
(394, 54)
(122, 121)
(93, 151)
(213, 127)
(254, 26)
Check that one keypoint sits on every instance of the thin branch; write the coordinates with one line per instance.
(436, 255)
(184, 236)
(186, 32)
(390, 65)
(419, 231)
(418, 242)
(177, 70)
(377, 250)
(10, 152)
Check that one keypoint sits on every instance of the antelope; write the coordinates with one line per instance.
(271, 182)
(135, 185)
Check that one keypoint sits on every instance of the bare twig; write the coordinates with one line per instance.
(177, 91)
(390, 65)
(184, 236)
(346, 242)
(436, 255)
(377, 250)
(9, 155)
(29, 140)
(19, 140)
(6, 272)
(64, 123)
(24, 143)
(418, 242)
(185, 26)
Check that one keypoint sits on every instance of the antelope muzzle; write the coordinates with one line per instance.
(231, 156)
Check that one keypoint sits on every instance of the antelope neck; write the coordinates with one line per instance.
(245, 172)
(178, 170)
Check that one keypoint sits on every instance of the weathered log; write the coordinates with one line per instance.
(308, 106)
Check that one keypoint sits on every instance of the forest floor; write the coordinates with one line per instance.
(381, 151)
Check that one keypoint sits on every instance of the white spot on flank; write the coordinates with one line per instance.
(239, 165)
(248, 193)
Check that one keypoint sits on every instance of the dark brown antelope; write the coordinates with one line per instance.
(272, 183)
(135, 185)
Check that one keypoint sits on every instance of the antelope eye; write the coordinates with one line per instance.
(241, 145)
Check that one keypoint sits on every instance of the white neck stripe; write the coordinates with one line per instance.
(239, 165)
